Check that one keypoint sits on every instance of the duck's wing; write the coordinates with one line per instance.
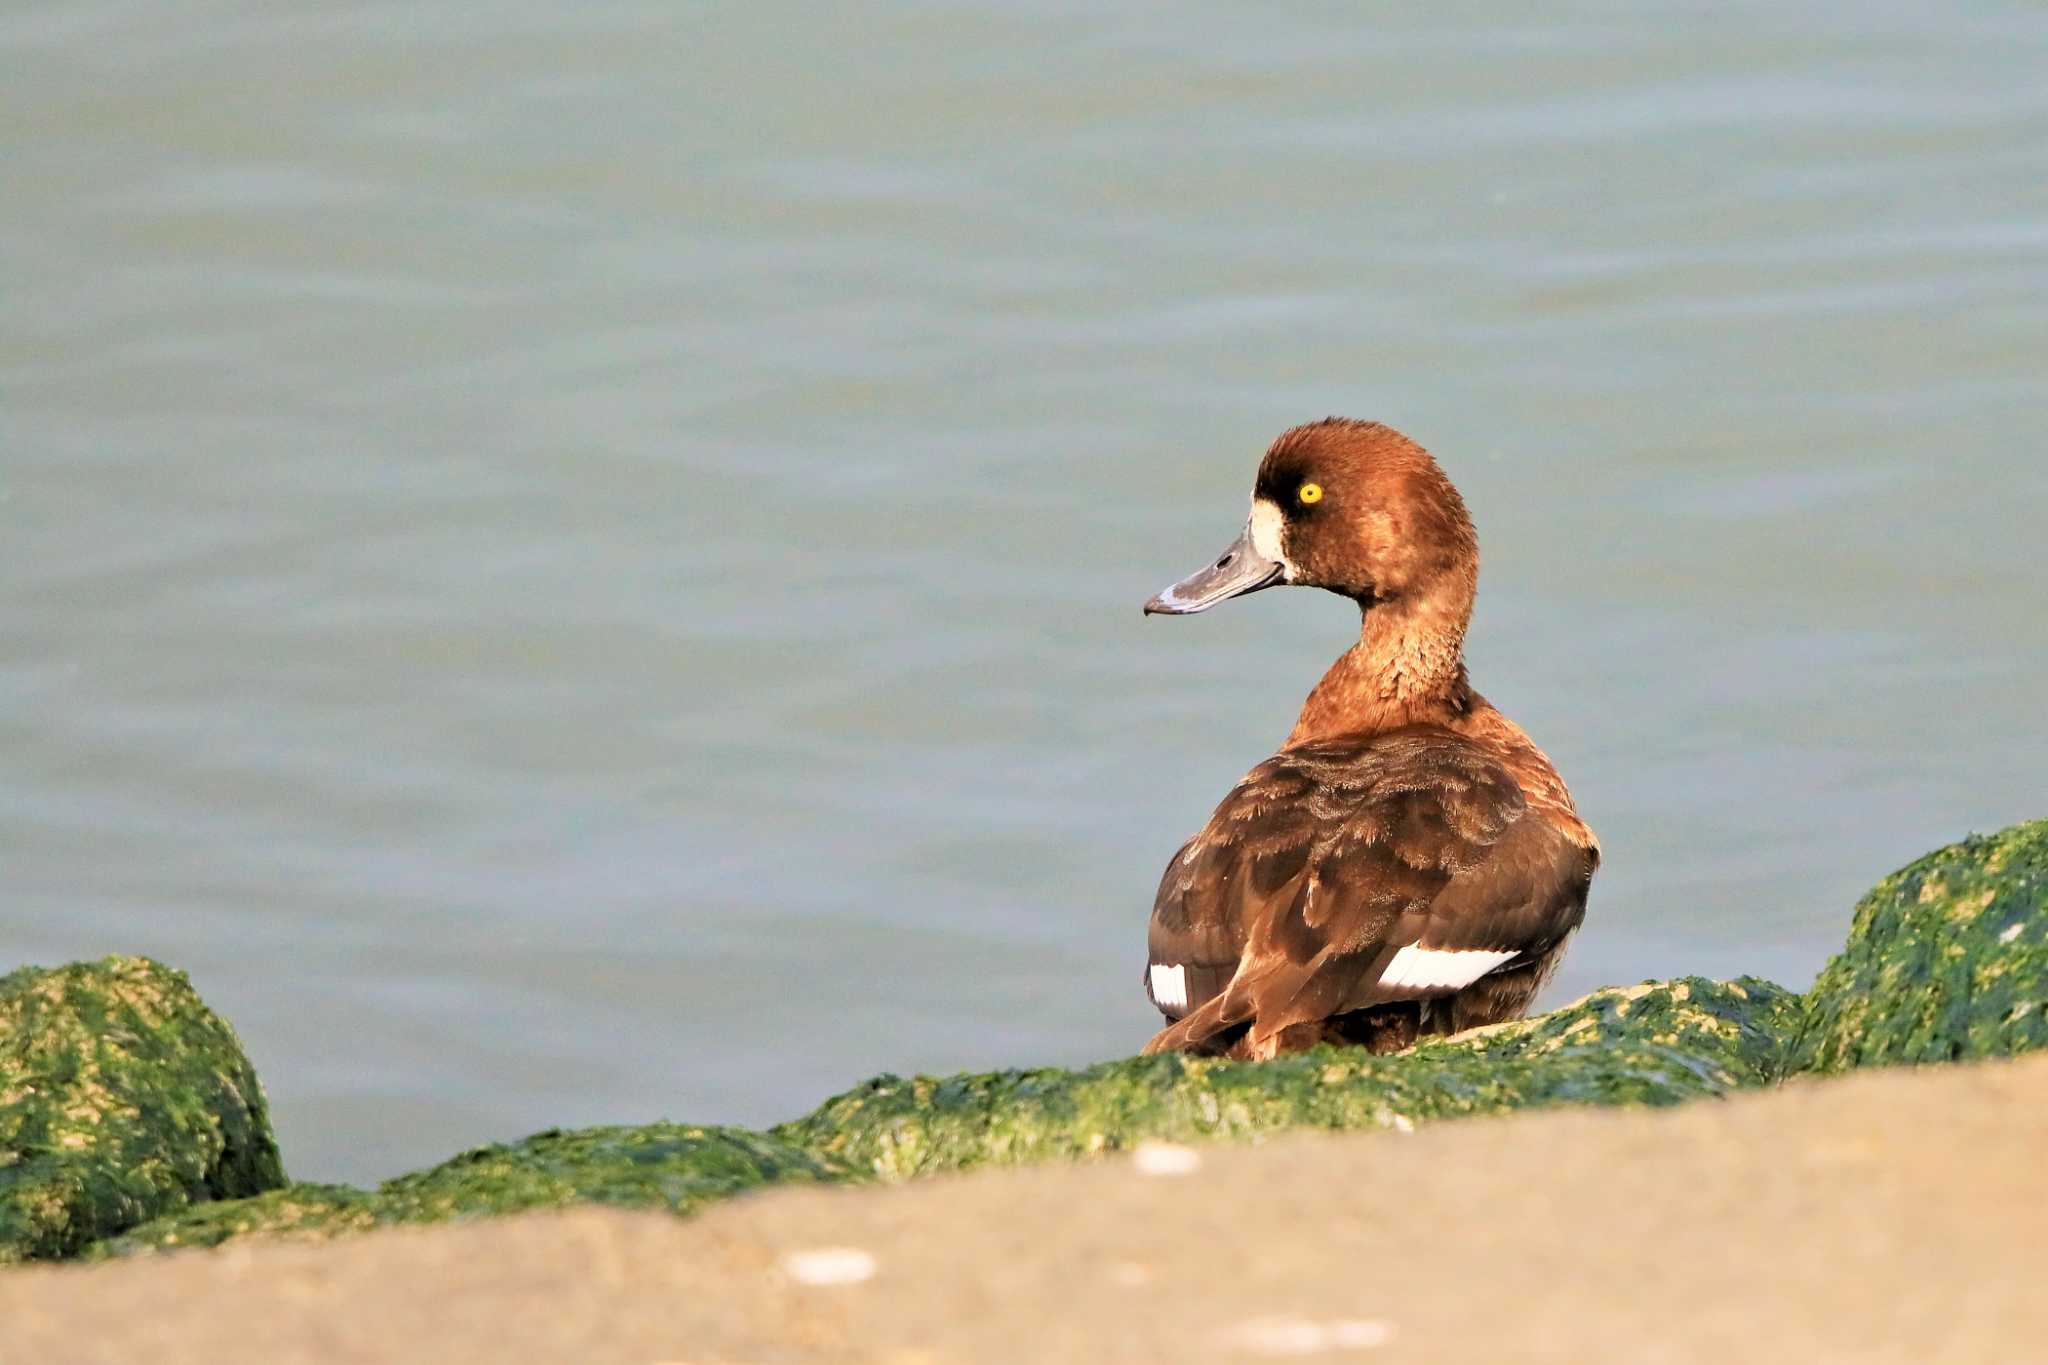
(1350, 873)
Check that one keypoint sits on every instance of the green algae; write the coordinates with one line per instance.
(1947, 960)
(1655, 1044)
(301, 1211)
(667, 1165)
(122, 1097)
(676, 1167)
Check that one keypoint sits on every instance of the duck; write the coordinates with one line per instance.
(1408, 864)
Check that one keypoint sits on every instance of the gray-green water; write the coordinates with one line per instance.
(582, 563)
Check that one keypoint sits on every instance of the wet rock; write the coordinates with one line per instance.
(122, 1097)
(1947, 960)
(1654, 1044)
(658, 1165)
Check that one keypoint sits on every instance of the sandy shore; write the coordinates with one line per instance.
(1897, 1216)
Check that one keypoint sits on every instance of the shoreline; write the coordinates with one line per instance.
(1892, 1215)
(1681, 1170)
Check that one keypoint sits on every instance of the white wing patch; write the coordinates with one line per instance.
(1418, 968)
(1170, 986)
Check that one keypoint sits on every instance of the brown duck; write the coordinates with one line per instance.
(1409, 863)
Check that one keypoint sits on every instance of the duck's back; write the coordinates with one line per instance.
(1368, 888)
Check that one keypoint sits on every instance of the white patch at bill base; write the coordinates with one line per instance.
(1264, 529)
(1418, 968)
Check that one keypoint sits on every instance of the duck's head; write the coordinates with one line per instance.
(1353, 507)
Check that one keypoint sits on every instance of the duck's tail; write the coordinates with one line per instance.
(1210, 1030)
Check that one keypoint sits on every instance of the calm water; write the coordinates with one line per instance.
(583, 564)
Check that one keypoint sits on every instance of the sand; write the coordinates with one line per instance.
(1894, 1216)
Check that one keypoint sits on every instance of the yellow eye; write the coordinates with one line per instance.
(1311, 492)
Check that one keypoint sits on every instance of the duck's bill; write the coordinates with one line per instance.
(1237, 571)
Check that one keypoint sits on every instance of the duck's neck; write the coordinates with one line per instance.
(1407, 668)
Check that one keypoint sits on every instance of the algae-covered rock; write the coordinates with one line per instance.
(122, 1097)
(1654, 1044)
(659, 1165)
(1946, 960)
(309, 1212)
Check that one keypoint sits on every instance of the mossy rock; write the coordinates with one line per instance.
(308, 1212)
(658, 1165)
(1654, 1044)
(668, 1166)
(1947, 960)
(122, 1097)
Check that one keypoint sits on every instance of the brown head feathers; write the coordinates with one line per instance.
(1383, 525)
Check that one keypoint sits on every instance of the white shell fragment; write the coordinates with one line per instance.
(1278, 1336)
(829, 1266)
(1165, 1158)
